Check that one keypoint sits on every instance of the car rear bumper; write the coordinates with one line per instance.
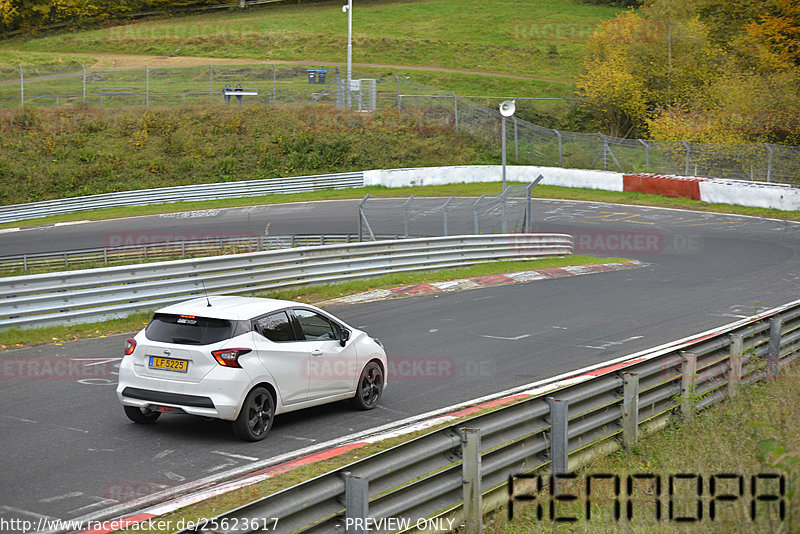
(217, 397)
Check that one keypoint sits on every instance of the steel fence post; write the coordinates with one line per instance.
(769, 162)
(558, 135)
(83, 67)
(146, 85)
(735, 367)
(559, 445)
(630, 410)
(688, 378)
(397, 78)
(455, 109)
(688, 154)
(210, 85)
(444, 221)
(471, 475)
(516, 141)
(475, 214)
(646, 154)
(21, 88)
(774, 354)
(356, 498)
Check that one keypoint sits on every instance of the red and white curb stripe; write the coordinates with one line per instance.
(483, 281)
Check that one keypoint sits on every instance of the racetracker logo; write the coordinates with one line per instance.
(399, 368)
(56, 368)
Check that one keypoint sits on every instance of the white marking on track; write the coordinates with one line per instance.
(163, 453)
(220, 467)
(20, 419)
(433, 330)
(19, 511)
(607, 344)
(69, 495)
(174, 476)
(102, 502)
(237, 456)
(517, 338)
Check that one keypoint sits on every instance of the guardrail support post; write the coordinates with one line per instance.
(559, 445)
(471, 474)
(630, 410)
(405, 215)
(735, 368)
(688, 377)
(774, 353)
(356, 502)
(475, 215)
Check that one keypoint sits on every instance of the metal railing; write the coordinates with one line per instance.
(191, 193)
(529, 144)
(83, 258)
(556, 427)
(97, 294)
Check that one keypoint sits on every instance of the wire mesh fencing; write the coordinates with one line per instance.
(501, 213)
(527, 143)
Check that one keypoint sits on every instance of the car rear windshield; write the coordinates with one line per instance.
(188, 329)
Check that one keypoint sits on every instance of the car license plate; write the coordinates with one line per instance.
(169, 364)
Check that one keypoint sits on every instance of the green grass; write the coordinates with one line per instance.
(756, 432)
(14, 338)
(50, 154)
(544, 40)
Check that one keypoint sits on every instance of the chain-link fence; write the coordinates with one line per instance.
(508, 212)
(528, 144)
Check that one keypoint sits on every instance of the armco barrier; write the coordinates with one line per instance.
(184, 193)
(165, 250)
(96, 294)
(425, 477)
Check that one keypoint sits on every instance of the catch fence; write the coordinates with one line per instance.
(528, 143)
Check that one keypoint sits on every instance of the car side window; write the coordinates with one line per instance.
(315, 327)
(275, 327)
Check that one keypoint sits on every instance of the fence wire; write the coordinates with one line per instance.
(527, 143)
(428, 217)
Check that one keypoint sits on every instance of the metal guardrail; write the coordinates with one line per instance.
(185, 193)
(82, 258)
(555, 427)
(97, 294)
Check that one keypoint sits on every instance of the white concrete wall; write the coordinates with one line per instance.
(758, 195)
(734, 192)
(609, 181)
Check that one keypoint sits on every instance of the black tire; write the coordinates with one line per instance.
(143, 416)
(370, 387)
(255, 418)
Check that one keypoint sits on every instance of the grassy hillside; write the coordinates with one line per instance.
(544, 39)
(48, 154)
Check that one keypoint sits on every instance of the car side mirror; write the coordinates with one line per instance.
(344, 335)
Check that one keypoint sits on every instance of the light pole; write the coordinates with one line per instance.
(507, 108)
(349, 10)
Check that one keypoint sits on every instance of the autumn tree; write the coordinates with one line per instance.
(703, 70)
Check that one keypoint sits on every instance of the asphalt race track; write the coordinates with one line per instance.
(68, 450)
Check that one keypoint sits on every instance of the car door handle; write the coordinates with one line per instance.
(317, 352)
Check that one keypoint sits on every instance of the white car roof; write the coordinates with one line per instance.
(228, 307)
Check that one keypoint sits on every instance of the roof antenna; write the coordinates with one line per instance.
(206, 292)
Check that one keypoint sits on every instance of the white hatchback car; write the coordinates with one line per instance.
(247, 359)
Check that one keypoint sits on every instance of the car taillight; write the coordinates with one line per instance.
(229, 357)
(130, 344)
